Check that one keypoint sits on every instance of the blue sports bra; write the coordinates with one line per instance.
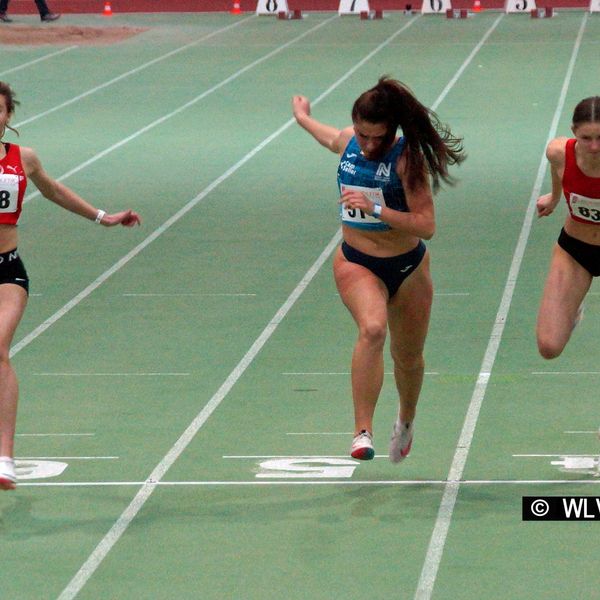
(375, 178)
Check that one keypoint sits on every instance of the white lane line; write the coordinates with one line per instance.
(111, 374)
(562, 454)
(117, 530)
(321, 482)
(37, 60)
(198, 295)
(320, 433)
(565, 372)
(301, 373)
(129, 73)
(448, 294)
(184, 107)
(147, 487)
(451, 294)
(324, 457)
(466, 63)
(174, 218)
(67, 458)
(55, 434)
(442, 524)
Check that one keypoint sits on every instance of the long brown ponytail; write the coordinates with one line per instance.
(431, 146)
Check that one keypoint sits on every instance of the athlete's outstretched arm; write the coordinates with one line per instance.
(332, 138)
(63, 196)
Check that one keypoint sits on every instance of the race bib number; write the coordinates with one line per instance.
(585, 209)
(9, 193)
(354, 215)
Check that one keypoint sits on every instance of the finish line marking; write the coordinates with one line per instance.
(406, 482)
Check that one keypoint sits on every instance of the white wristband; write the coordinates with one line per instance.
(376, 211)
(100, 216)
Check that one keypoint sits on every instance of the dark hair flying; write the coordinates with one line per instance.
(431, 146)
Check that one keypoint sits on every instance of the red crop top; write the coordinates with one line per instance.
(582, 192)
(12, 185)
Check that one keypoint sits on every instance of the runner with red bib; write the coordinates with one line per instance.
(17, 165)
(575, 170)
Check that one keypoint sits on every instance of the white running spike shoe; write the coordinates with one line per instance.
(401, 442)
(362, 446)
(8, 479)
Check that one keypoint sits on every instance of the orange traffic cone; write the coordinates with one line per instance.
(236, 10)
(107, 12)
(477, 6)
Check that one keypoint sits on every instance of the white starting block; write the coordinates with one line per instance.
(542, 13)
(455, 13)
(594, 6)
(294, 14)
(372, 14)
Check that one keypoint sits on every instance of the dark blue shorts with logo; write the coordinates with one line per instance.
(12, 270)
(392, 270)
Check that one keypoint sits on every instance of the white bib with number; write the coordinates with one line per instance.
(584, 208)
(354, 215)
(9, 193)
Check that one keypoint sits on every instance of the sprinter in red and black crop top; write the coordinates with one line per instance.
(575, 170)
(17, 165)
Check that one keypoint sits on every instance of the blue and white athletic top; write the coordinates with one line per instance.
(375, 178)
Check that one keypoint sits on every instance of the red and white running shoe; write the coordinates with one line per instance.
(401, 442)
(8, 479)
(362, 446)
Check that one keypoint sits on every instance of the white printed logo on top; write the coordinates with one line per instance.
(354, 215)
(9, 193)
(384, 171)
(587, 209)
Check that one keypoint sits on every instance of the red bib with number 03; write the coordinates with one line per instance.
(12, 185)
(582, 192)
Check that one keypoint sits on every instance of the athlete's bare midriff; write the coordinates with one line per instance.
(584, 232)
(8, 237)
(379, 243)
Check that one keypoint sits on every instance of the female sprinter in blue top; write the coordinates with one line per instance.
(17, 166)
(382, 268)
